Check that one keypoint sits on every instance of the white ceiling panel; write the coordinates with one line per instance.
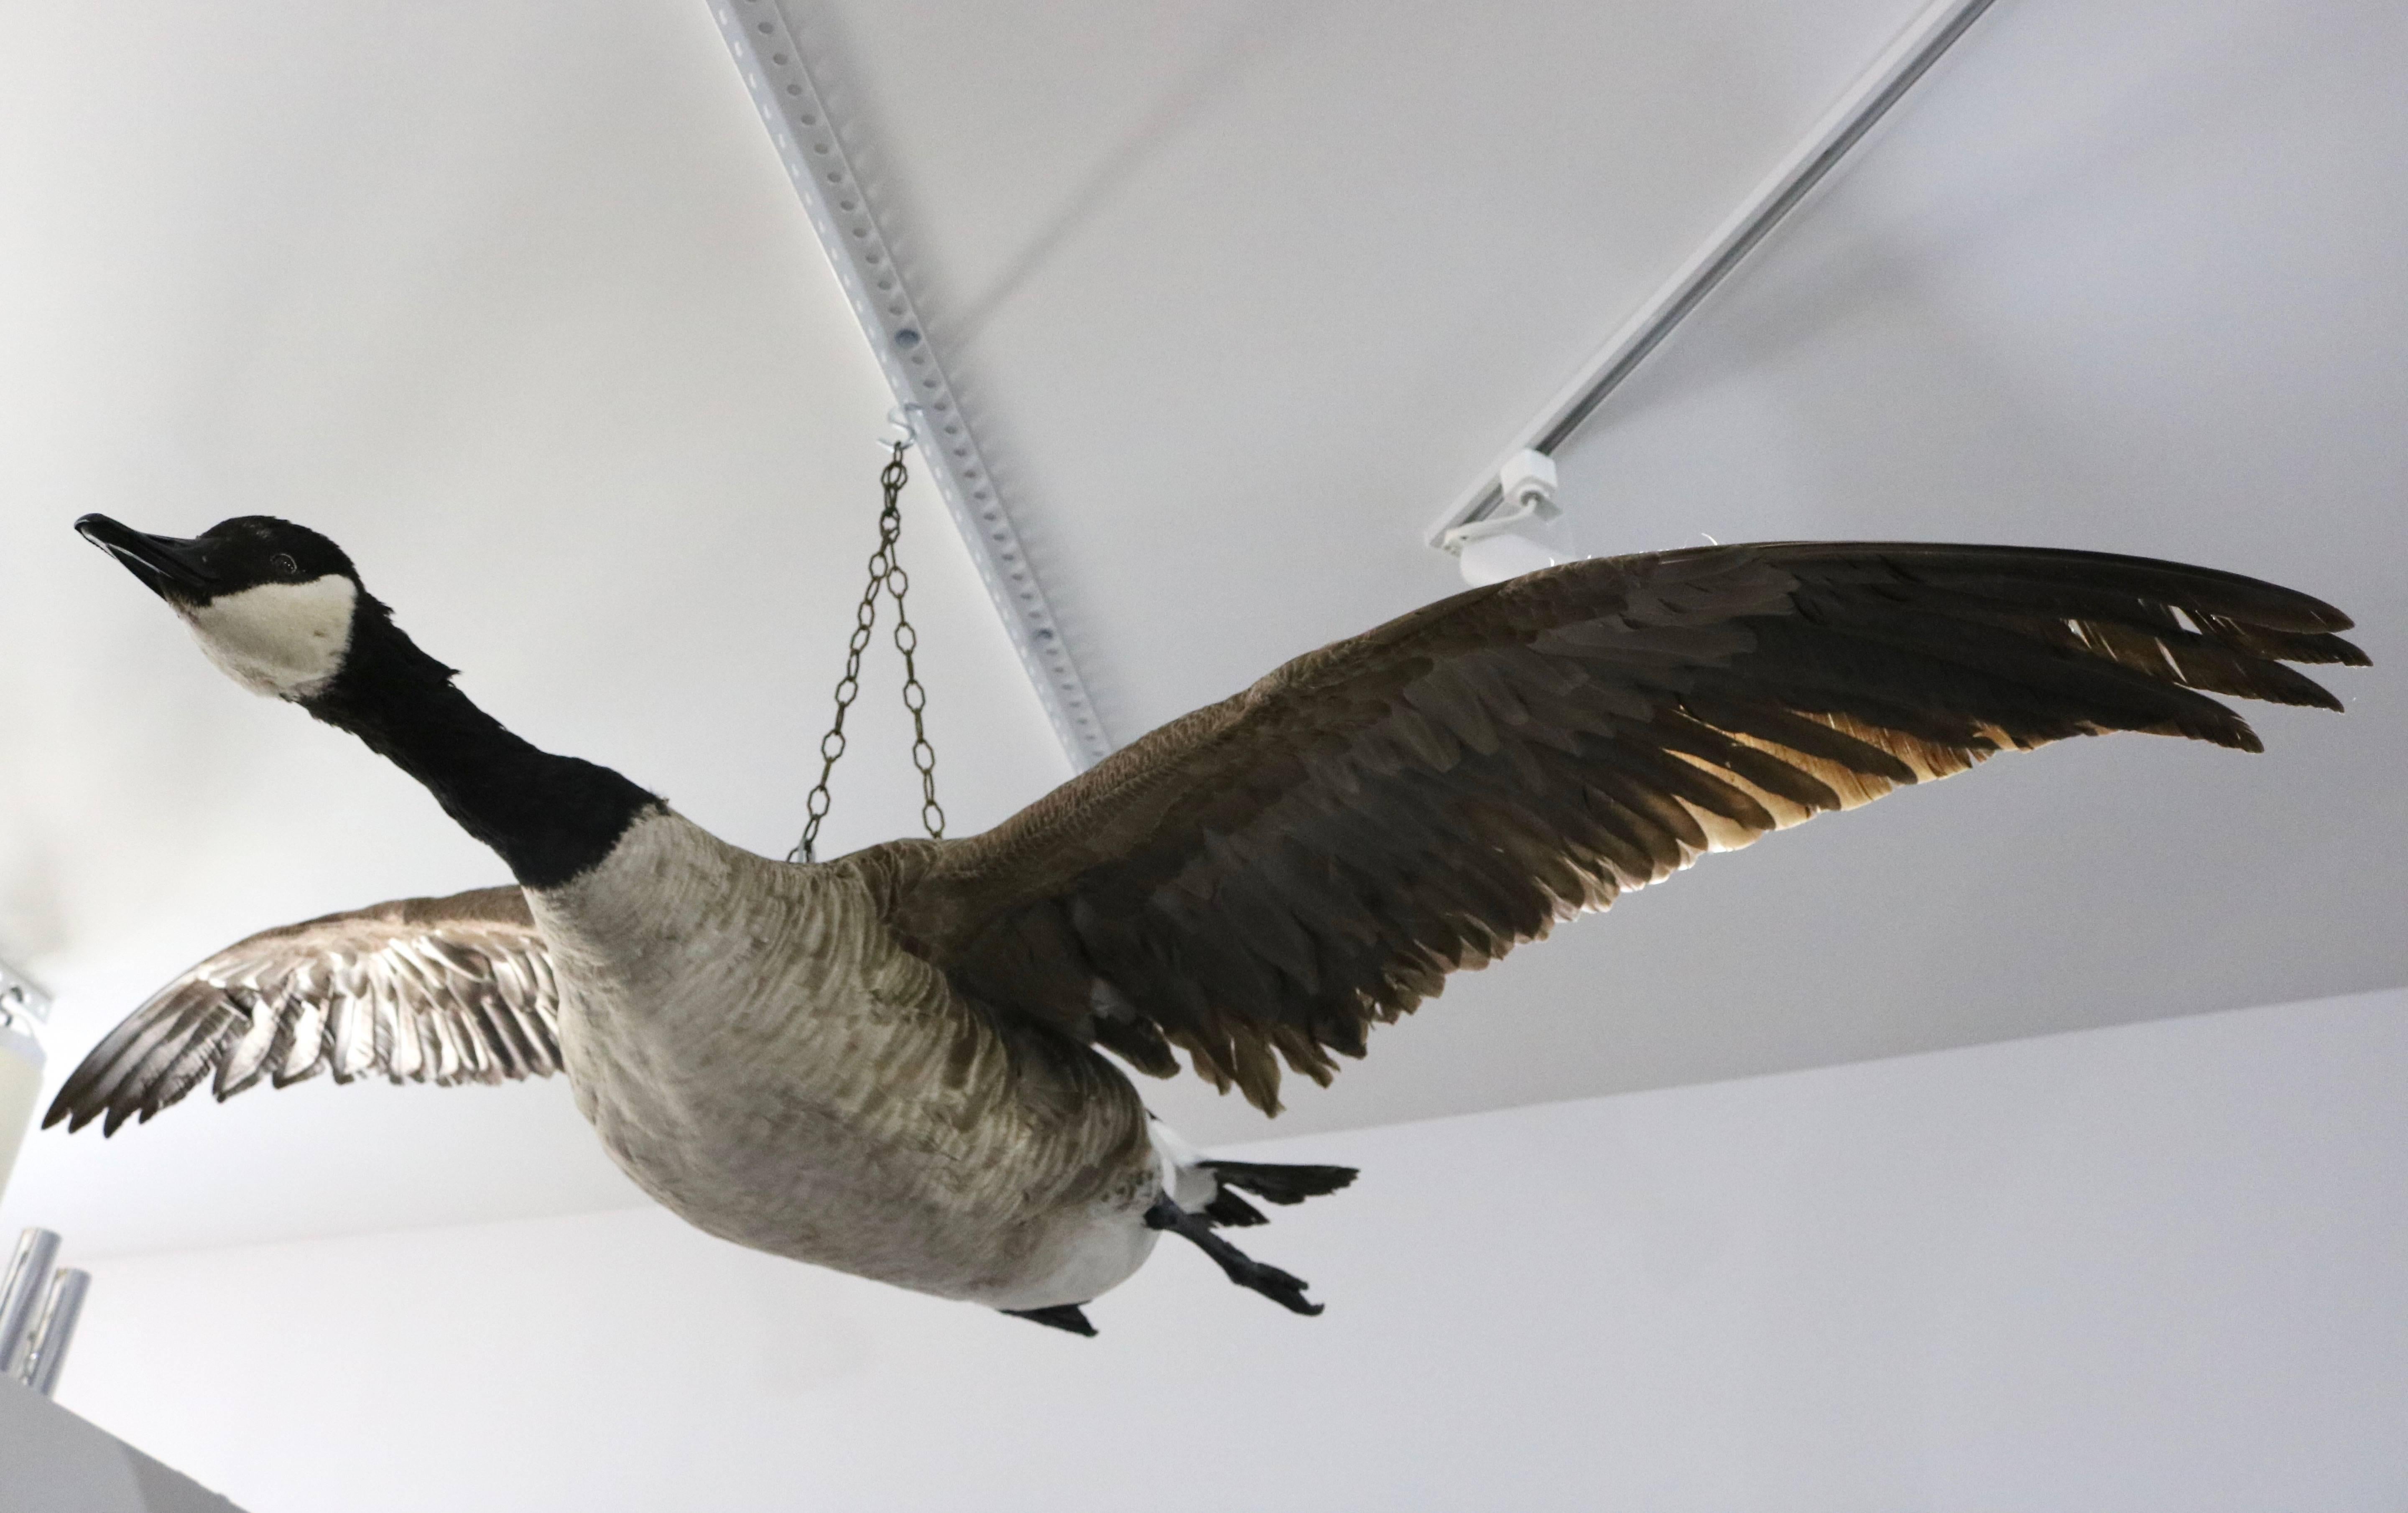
(1230, 290)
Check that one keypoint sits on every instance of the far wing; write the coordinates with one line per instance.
(1268, 877)
(418, 990)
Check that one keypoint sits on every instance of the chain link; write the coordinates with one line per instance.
(886, 572)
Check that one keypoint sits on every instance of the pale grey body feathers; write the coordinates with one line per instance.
(756, 1054)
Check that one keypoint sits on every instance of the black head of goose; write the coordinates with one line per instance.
(888, 1063)
(280, 609)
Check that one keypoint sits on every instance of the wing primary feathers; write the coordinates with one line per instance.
(1263, 879)
(408, 989)
(246, 1061)
(203, 1041)
(305, 1045)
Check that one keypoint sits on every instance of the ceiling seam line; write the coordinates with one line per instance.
(1892, 74)
(762, 38)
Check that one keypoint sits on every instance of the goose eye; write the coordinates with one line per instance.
(282, 561)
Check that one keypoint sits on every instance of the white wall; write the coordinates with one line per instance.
(2158, 1267)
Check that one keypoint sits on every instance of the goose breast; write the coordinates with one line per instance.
(758, 1054)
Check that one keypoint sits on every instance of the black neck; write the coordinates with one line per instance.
(548, 817)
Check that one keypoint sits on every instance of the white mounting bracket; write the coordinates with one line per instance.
(1496, 547)
(762, 37)
(21, 997)
(1849, 121)
(1525, 490)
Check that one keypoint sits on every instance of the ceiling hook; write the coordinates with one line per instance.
(902, 429)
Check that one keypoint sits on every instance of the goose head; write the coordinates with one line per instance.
(273, 604)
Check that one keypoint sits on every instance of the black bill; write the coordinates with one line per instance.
(169, 566)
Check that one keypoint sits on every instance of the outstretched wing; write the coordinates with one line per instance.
(1277, 872)
(419, 990)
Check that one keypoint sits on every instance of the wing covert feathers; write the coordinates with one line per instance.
(419, 990)
(1264, 878)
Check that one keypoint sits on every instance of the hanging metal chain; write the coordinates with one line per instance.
(906, 640)
(886, 572)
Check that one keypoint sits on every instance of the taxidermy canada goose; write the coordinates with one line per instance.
(888, 1063)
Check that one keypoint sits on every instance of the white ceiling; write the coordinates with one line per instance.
(519, 307)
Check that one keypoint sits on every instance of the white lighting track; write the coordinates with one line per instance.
(1845, 124)
(763, 38)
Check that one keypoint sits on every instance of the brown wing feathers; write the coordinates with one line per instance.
(1275, 873)
(423, 990)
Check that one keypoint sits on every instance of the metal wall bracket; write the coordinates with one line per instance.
(1845, 124)
(22, 998)
(763, 38)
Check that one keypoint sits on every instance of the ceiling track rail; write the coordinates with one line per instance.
(1848, 123)
(763, 38)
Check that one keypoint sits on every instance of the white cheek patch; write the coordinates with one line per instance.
(285, 640)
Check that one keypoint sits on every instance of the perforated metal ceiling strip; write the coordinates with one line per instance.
(772, 59)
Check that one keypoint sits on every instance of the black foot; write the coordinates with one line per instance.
(1240, 1267)
(1061, 1316)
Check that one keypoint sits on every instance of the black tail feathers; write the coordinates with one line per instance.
(1069, 1316)
(1273, 1184)
(1231, 1211)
